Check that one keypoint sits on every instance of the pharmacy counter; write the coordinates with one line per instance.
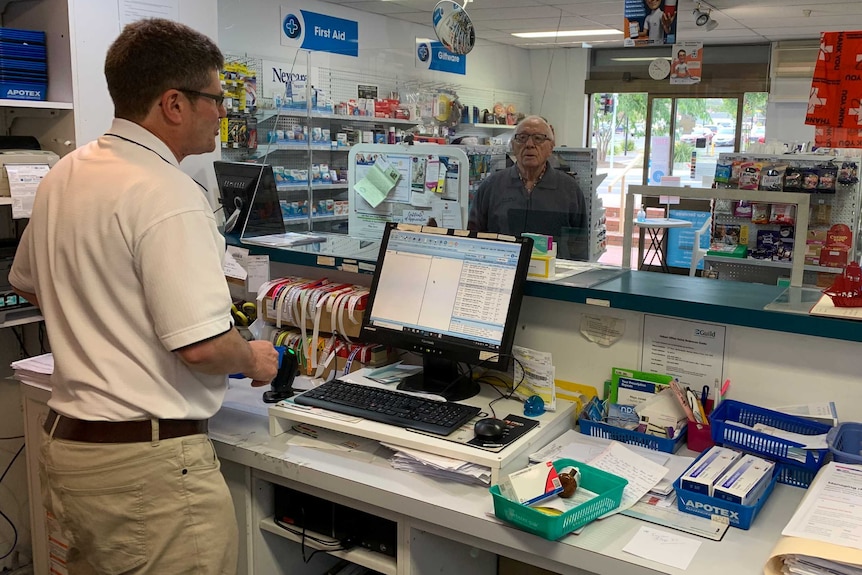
(446, 527)
(684, 297)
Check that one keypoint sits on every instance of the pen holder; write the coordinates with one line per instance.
(699, 436)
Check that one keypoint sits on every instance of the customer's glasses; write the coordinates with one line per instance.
(217, 98)
(538, 139)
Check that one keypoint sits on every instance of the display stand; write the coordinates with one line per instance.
(283, 416)
(417, 198)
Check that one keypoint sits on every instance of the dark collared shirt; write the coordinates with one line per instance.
(555, 207)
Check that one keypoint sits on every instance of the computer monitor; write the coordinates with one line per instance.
(249, 197)
(451, 297)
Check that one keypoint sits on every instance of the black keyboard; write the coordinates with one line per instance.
(386, 406)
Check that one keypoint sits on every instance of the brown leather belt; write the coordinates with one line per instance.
(120, 431)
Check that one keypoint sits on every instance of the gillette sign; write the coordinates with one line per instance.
(707, 509)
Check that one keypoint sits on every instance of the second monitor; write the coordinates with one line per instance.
(449, 297)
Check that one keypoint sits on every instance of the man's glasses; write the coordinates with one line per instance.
(538, 139)
(217, 98)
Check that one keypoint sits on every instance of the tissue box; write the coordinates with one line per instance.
(532, 484)
(542, 266)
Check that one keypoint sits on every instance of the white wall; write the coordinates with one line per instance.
(94, 25)
(558, 78)
(766, 368)
(386, 46)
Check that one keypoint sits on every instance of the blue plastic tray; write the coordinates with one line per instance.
(845, 443)
(741, 516)
(768, 446)
(600, 429)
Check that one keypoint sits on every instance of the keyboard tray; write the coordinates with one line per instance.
(388, 406)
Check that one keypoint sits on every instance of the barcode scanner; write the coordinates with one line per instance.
(282, 385)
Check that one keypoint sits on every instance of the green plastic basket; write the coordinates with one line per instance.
(609, 493)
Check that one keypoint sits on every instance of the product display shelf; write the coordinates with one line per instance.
(582, 163)
(360, 556)
(844, 206)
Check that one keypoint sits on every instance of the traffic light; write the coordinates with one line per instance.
(606, 103)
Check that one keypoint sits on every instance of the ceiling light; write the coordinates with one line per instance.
(700, 17)
(567, 33)
(711, 25)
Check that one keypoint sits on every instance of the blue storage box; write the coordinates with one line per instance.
(741, 516)
(601, 429)
(845, 443)
(762, 444)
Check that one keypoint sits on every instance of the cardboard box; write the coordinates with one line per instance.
(532, 484)
(542, 266)
(702, 475)
(834, 257)
(745, 482)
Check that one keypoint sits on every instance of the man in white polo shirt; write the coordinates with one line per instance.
(123, 256)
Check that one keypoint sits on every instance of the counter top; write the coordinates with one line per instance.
(698, 299)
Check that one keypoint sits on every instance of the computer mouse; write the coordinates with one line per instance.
(489, 429)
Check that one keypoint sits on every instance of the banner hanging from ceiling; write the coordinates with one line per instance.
(432, 55)
(649, 22)
(319, 32)
(835, 100)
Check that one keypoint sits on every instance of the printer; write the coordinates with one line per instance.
(9, 157)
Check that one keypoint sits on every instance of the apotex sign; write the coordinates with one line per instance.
(319, 32)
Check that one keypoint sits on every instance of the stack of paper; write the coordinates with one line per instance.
(35, 370)
(438, 466)
(824, 536)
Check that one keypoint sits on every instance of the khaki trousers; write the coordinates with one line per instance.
(141, 508)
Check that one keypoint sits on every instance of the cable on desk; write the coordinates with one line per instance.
(510, 392)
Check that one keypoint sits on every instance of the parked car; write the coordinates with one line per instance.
(726, 136)
(696, 133)
(757, 135)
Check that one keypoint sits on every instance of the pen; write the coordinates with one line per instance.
(704, 395)
(724, 389)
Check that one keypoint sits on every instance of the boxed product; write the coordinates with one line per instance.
(709, 468)
(632, 387)
(532, 484)
(661, 415)
(745, 481)
(835, 252)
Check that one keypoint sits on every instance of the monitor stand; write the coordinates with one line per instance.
(441, 377)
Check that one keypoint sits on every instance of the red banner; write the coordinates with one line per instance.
(835, 101)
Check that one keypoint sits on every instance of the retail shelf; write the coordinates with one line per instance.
(302, 220)
(303, 187)
(17, 317)
(264, 115)
(488, 126)
(299, 146)
(358, 555)
(41, 104)
(770, 264)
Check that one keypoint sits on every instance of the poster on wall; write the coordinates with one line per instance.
(649, 22)
(432, 55)
(686, 67)
(835, 100)
(319, 32)
(691, 351)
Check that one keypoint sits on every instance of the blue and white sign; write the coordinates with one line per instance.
(319, 32)
(431, 55)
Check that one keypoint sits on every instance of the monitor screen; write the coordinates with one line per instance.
(451, 298)
(250, 198)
